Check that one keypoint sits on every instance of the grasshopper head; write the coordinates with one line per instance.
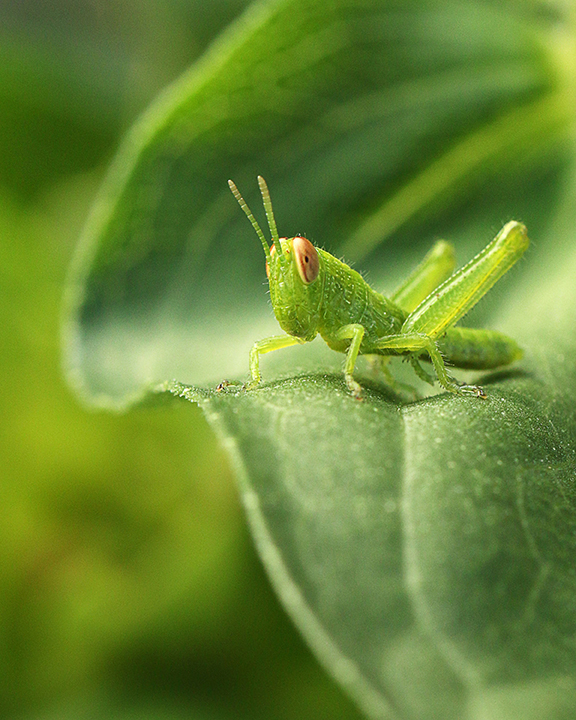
(293, 267)
(295, 290)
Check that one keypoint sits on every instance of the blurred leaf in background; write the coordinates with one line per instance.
(73, 73)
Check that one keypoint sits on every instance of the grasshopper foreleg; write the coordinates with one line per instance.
(276, 342)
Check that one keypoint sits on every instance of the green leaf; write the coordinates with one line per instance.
(425, 550)
(341, 106)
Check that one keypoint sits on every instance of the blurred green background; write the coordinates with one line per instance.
(128, 587)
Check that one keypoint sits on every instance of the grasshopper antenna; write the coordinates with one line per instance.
(269, 214)
(251, 217)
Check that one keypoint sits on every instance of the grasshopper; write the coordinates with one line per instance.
(313, 292)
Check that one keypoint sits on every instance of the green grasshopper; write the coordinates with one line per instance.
(313, 292)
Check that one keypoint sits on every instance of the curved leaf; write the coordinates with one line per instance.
(423, 549)
(426, 551)
(341, 106)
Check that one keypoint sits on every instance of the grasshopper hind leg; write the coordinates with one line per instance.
(454, 386)
(465, 389)
(419, 344)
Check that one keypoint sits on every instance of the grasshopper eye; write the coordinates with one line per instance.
(307, 260)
